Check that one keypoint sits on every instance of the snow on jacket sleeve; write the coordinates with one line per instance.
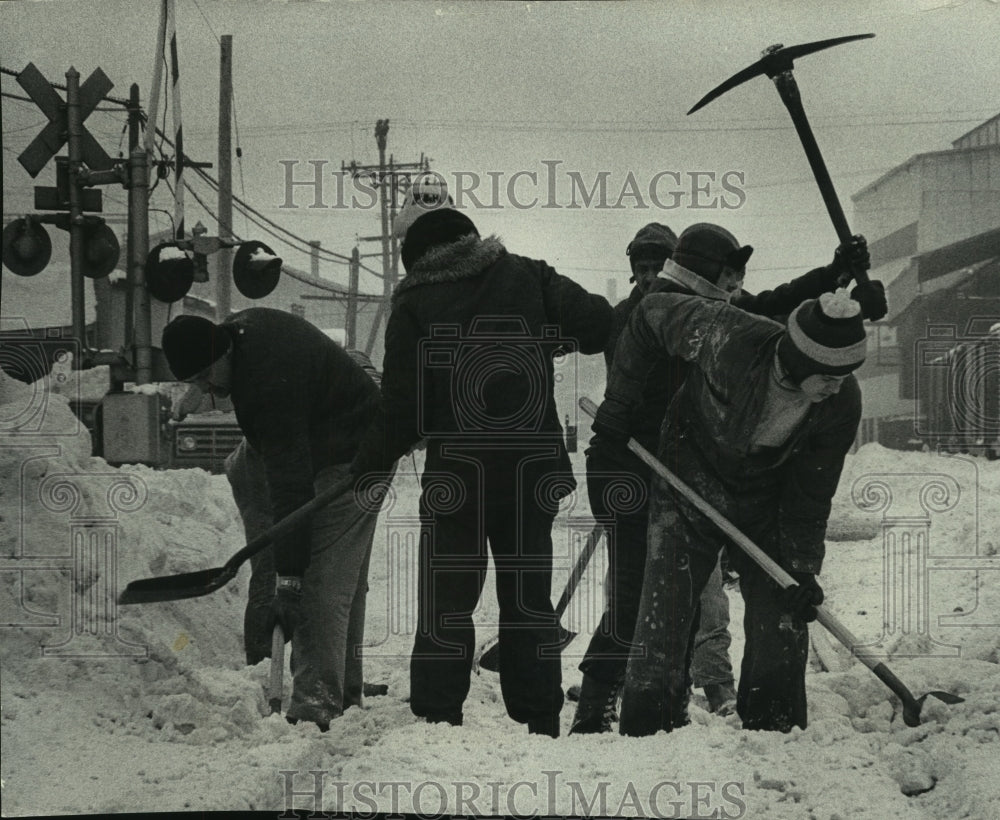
(582, 316)
(810, 479)
(394, 429)
(674, 324)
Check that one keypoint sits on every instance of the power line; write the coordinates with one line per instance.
(294, 273)
(116, 100)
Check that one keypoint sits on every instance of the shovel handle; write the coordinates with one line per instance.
(761, 558)
(291, 520)
(274, 687)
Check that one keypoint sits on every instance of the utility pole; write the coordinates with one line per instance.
(387, 177)
(314, 246)
(224, 259)
(351, 323)
(73, 137)
(381, 136)
(138, 312)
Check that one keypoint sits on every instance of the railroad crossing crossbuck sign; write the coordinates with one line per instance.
(54, 135)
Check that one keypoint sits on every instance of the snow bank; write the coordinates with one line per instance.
(167, 717)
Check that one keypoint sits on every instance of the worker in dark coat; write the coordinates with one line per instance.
(708, 261)
(759, 429)
(468, 367)
(303, 404)
(248, 481)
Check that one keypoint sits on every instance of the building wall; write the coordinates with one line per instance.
(930, 201)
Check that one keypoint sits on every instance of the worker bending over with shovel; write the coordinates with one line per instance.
(706, 260)
(759, 430)
(302, 403)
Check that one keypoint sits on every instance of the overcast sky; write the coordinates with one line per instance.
(554, 90)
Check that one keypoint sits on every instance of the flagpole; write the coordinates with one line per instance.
(154, 92)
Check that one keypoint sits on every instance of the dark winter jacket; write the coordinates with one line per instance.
(469, 350)
(668, 373)
(303, 404)
(710, 424)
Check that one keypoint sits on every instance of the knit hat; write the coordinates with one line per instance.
(703, 243)
(653, 240)
(438, 227)
(825, 335)
(192, 343)
(427, 193)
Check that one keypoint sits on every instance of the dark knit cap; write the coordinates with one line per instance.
(825, 335)
(703, 246)
(192, 343)
(652, 241)
(438, 227)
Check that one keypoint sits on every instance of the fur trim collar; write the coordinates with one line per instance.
(693, 282)
(467, 257)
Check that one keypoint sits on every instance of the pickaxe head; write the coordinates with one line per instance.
(776, 59)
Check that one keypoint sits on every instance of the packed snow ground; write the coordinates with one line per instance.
(150, 708)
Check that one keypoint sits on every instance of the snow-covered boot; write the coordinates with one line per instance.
(597, 708)
(721, 698)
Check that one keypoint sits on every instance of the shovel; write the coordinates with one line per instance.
(202, 582)
(277, 670)
(911, 705)
(488, 655)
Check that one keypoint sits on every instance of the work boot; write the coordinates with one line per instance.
(544, 725)
(721, 698)
(452, 718)
(597, 707)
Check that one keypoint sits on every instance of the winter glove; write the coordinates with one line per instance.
(850, 257)
(286, 605)
(871, 297)
(801, 598)
(611, 421)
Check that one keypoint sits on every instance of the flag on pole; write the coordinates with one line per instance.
(175, 100)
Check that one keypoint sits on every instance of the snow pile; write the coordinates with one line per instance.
(170, 719)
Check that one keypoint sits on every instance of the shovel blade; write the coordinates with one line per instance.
(175, 587)
(490, 658)
(911, 709)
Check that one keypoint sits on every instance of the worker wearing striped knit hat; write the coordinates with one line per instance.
(760, 429)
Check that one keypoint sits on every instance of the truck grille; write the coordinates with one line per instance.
(204, 445)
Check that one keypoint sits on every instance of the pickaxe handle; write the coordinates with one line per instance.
(789, 92)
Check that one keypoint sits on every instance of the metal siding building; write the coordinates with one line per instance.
(933, 227)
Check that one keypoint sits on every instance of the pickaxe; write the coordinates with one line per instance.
(776, 63)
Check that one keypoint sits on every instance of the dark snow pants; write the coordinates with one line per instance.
(683, 550)
(453, 564)
(326, 660)
(619, 499)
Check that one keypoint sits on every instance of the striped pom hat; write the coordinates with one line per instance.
(825, 335)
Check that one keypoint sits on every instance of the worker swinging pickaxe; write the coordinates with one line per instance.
(776, 63)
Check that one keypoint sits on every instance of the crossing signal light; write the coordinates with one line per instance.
(169, 272)
(256, 270)
(26, 247)
(100, 250)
